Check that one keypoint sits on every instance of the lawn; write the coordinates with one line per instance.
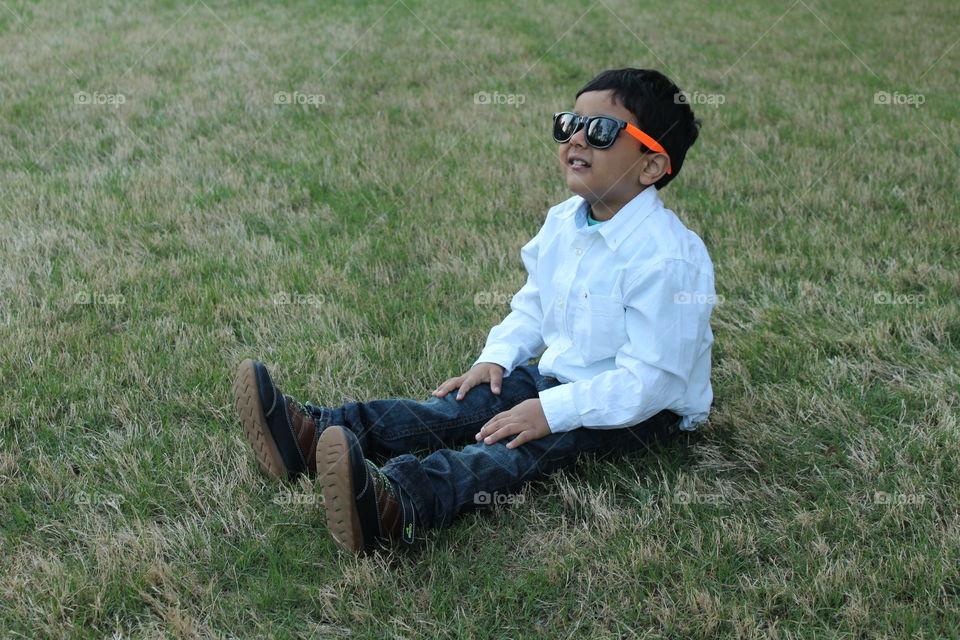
(341, 189)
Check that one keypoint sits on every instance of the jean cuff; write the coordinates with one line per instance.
(326, 415)
(407, 508)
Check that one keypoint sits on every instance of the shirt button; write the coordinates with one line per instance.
(579, 251)
(560, 304)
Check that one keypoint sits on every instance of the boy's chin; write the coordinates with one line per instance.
(580, 189)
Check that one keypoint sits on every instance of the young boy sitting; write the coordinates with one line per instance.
(619, 293)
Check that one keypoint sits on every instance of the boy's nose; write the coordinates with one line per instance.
(578, 138)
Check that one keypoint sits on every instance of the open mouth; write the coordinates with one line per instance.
(577, 163)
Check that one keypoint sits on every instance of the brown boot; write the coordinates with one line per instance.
(282, 432)
(362, 509)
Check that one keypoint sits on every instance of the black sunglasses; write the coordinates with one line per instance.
(600, 132)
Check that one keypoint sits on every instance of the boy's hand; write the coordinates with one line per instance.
(526, 419)
(482, 372)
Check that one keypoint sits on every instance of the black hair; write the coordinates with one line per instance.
(661, 110)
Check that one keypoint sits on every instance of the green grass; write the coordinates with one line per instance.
(819, 501)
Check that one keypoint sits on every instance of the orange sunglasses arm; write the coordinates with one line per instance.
(650, 142)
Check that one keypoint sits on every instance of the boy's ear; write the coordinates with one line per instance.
(654, 167)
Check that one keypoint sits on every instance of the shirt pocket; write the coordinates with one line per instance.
(600, 327)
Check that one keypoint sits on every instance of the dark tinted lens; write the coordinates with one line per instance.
(601, 132)
(563, 127)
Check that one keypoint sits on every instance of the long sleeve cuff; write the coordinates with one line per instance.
(559, 408)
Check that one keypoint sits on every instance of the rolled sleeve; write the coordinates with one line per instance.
(559, 408)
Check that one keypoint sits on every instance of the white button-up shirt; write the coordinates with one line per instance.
(623, 309)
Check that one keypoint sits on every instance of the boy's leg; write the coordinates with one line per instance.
(390, 427)
(434, 490)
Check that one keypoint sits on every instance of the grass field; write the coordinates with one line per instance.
(341, 189)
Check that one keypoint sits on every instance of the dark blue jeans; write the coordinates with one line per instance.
(455, 478)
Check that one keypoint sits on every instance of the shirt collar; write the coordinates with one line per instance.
(624, 222)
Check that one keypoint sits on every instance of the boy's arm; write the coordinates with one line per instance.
(667, 320)
(519, 336)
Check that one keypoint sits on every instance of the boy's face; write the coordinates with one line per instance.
(615, 175)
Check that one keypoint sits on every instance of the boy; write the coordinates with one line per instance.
(619, 293)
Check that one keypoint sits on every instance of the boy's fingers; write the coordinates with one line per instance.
(522, 437)
(486, 429)
(502, 432)
(466, 386)
(495, 380)
(446, 387)
(490, 426)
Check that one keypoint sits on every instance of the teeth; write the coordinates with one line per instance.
(578, 163)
